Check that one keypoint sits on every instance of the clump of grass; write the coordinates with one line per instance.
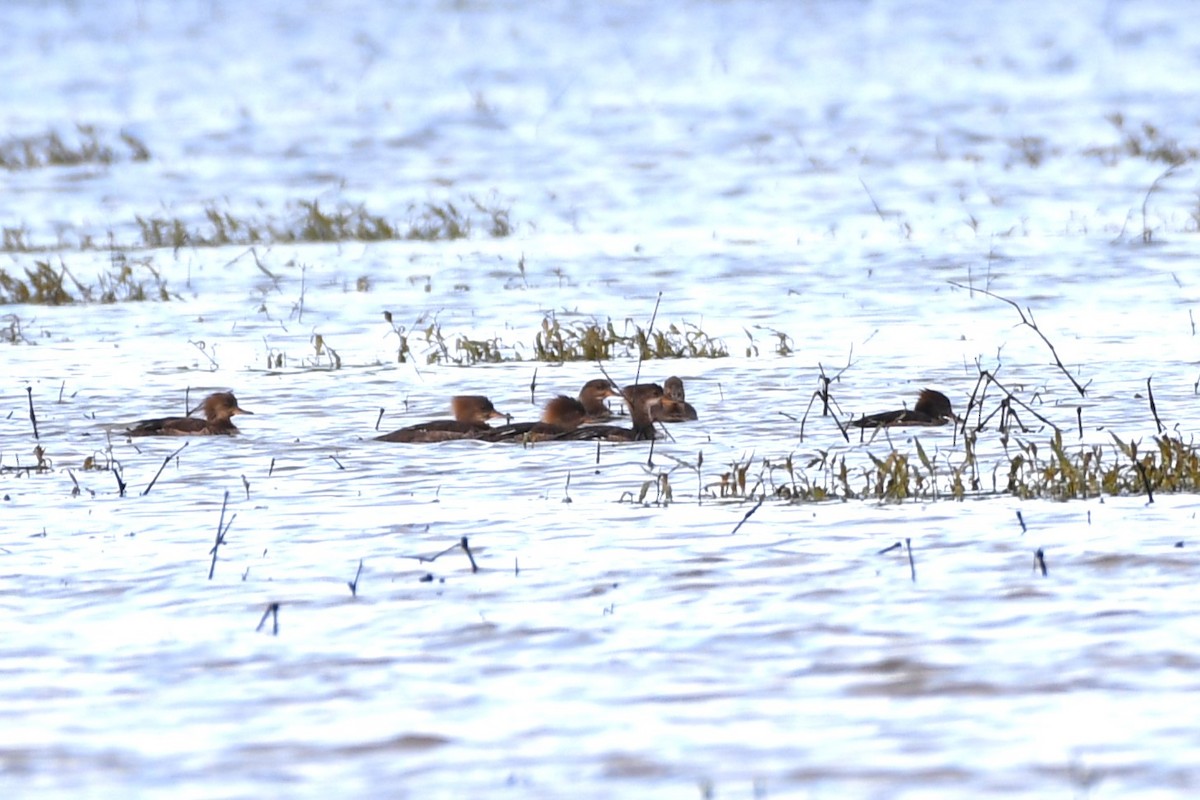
(306, 222)
(784, 344)
(1051, 471)
(1172, 465)
(441, 222)
(555, 342)
(432, 222)
(1033, 150)
(592, 341)
(1145, 141)
(44, 284)
(309, 221)
(462, 351)
(466, 351)
(16, 240)
(88, 146)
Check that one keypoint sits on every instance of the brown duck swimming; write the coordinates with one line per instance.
(592, 397)
(218, 409)
(471, 415)
(673, 407)
(932, 408)
(641, 398)
(562, 415)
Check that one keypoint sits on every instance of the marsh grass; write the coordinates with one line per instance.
(1143, 141)
(86, 146)
(1027, 470)
(592, 341)
(425, 340)
(304, 221)
(309, 221)
(127, 280)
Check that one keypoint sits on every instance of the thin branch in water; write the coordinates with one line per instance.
(1039, 561)
(203, 348)
(1005, 407)
(1147, 235)
(461, 544)
(649, 332)
(871, 197)
(749, 514)
(354, 583)
(826, 400)
(32, 416)
(1153, 407)
(163, 466)
(1021, 520)
(467, 549)
(221, 529)
(1027, 319)
(911, 564)
(272, 612)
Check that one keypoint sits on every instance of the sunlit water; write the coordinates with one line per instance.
(827, 171)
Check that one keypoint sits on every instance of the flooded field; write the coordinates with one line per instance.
(346, 215)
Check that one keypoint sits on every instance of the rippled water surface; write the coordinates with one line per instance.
(826, 175)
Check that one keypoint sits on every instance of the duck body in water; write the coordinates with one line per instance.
(471, 414)
(673, 407)
(561, 415)
(219, 409)
(932, 408)
(641, 399)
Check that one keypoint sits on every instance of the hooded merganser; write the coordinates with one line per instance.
(592, 397)
(471, 415)
(218, 408)
(673, 407)
(642, 399)
(562, 415)
(932, 408)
